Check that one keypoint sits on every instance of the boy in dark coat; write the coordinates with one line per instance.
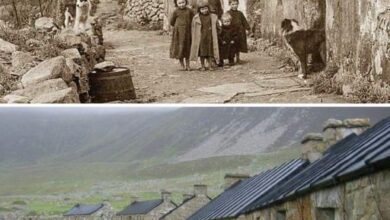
(240, 22)
(228, 39)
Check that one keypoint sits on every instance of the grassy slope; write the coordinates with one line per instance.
(92, 183)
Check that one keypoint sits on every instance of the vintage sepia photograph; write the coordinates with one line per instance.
(195, 163)
(194, 51)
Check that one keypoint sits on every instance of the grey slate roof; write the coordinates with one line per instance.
(140, 207)
(236, 198)
(81, 209)
(350, 158)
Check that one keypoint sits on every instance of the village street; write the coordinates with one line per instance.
(157, 78)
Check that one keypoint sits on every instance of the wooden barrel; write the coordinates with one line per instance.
(115, 85)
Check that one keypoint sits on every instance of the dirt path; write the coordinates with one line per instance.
(159, 79)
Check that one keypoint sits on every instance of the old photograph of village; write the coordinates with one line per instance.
(195, 163)
(194, 51)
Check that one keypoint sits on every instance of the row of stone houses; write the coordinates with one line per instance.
(344, 174)
(163, 208)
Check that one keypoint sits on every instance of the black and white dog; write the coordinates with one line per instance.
(304, 42)
(83, 8)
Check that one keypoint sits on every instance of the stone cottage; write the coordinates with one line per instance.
(191, 203)
(348, 177)
(148, 210)
(101, 211)
(349, 180)
(241, 191)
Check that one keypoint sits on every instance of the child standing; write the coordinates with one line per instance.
(181, 38)
(204, 36)
(228, 39)
(241, 24)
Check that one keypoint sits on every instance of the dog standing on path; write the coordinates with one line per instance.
(83, 8)
(304, 42)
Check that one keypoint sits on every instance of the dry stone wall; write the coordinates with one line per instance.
(144, 12)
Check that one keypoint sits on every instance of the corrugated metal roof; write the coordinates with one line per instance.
(236, 198)
(81, 209)
(141, 207)
(348, 159)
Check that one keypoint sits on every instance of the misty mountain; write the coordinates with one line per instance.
(37, 136)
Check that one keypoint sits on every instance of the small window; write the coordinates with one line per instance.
(325, 214)
(281, 215)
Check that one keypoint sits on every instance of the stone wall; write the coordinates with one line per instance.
(357, 33)
(358, 38)
(268, 15)
(364, 198)
(59, 79)
(144, 12)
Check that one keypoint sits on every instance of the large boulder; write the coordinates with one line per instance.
(7, 47)
(48, 69)
(44, 23)
(68, 95)
(71, 53)
(45, 87)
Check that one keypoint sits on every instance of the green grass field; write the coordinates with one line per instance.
(54, 190)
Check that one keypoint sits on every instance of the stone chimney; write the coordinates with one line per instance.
(335, 130)
(231, 179)
(200, 190)
(166, 196)
(313, 146)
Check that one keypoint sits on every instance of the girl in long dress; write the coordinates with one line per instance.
(181, 39)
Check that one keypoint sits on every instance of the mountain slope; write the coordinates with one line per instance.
(152, 137)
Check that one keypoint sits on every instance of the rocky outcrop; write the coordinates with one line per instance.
(144, 12)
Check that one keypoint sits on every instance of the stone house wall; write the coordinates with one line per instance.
(188, 208)
(358, 38)
(357, 32)
(364, 198)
